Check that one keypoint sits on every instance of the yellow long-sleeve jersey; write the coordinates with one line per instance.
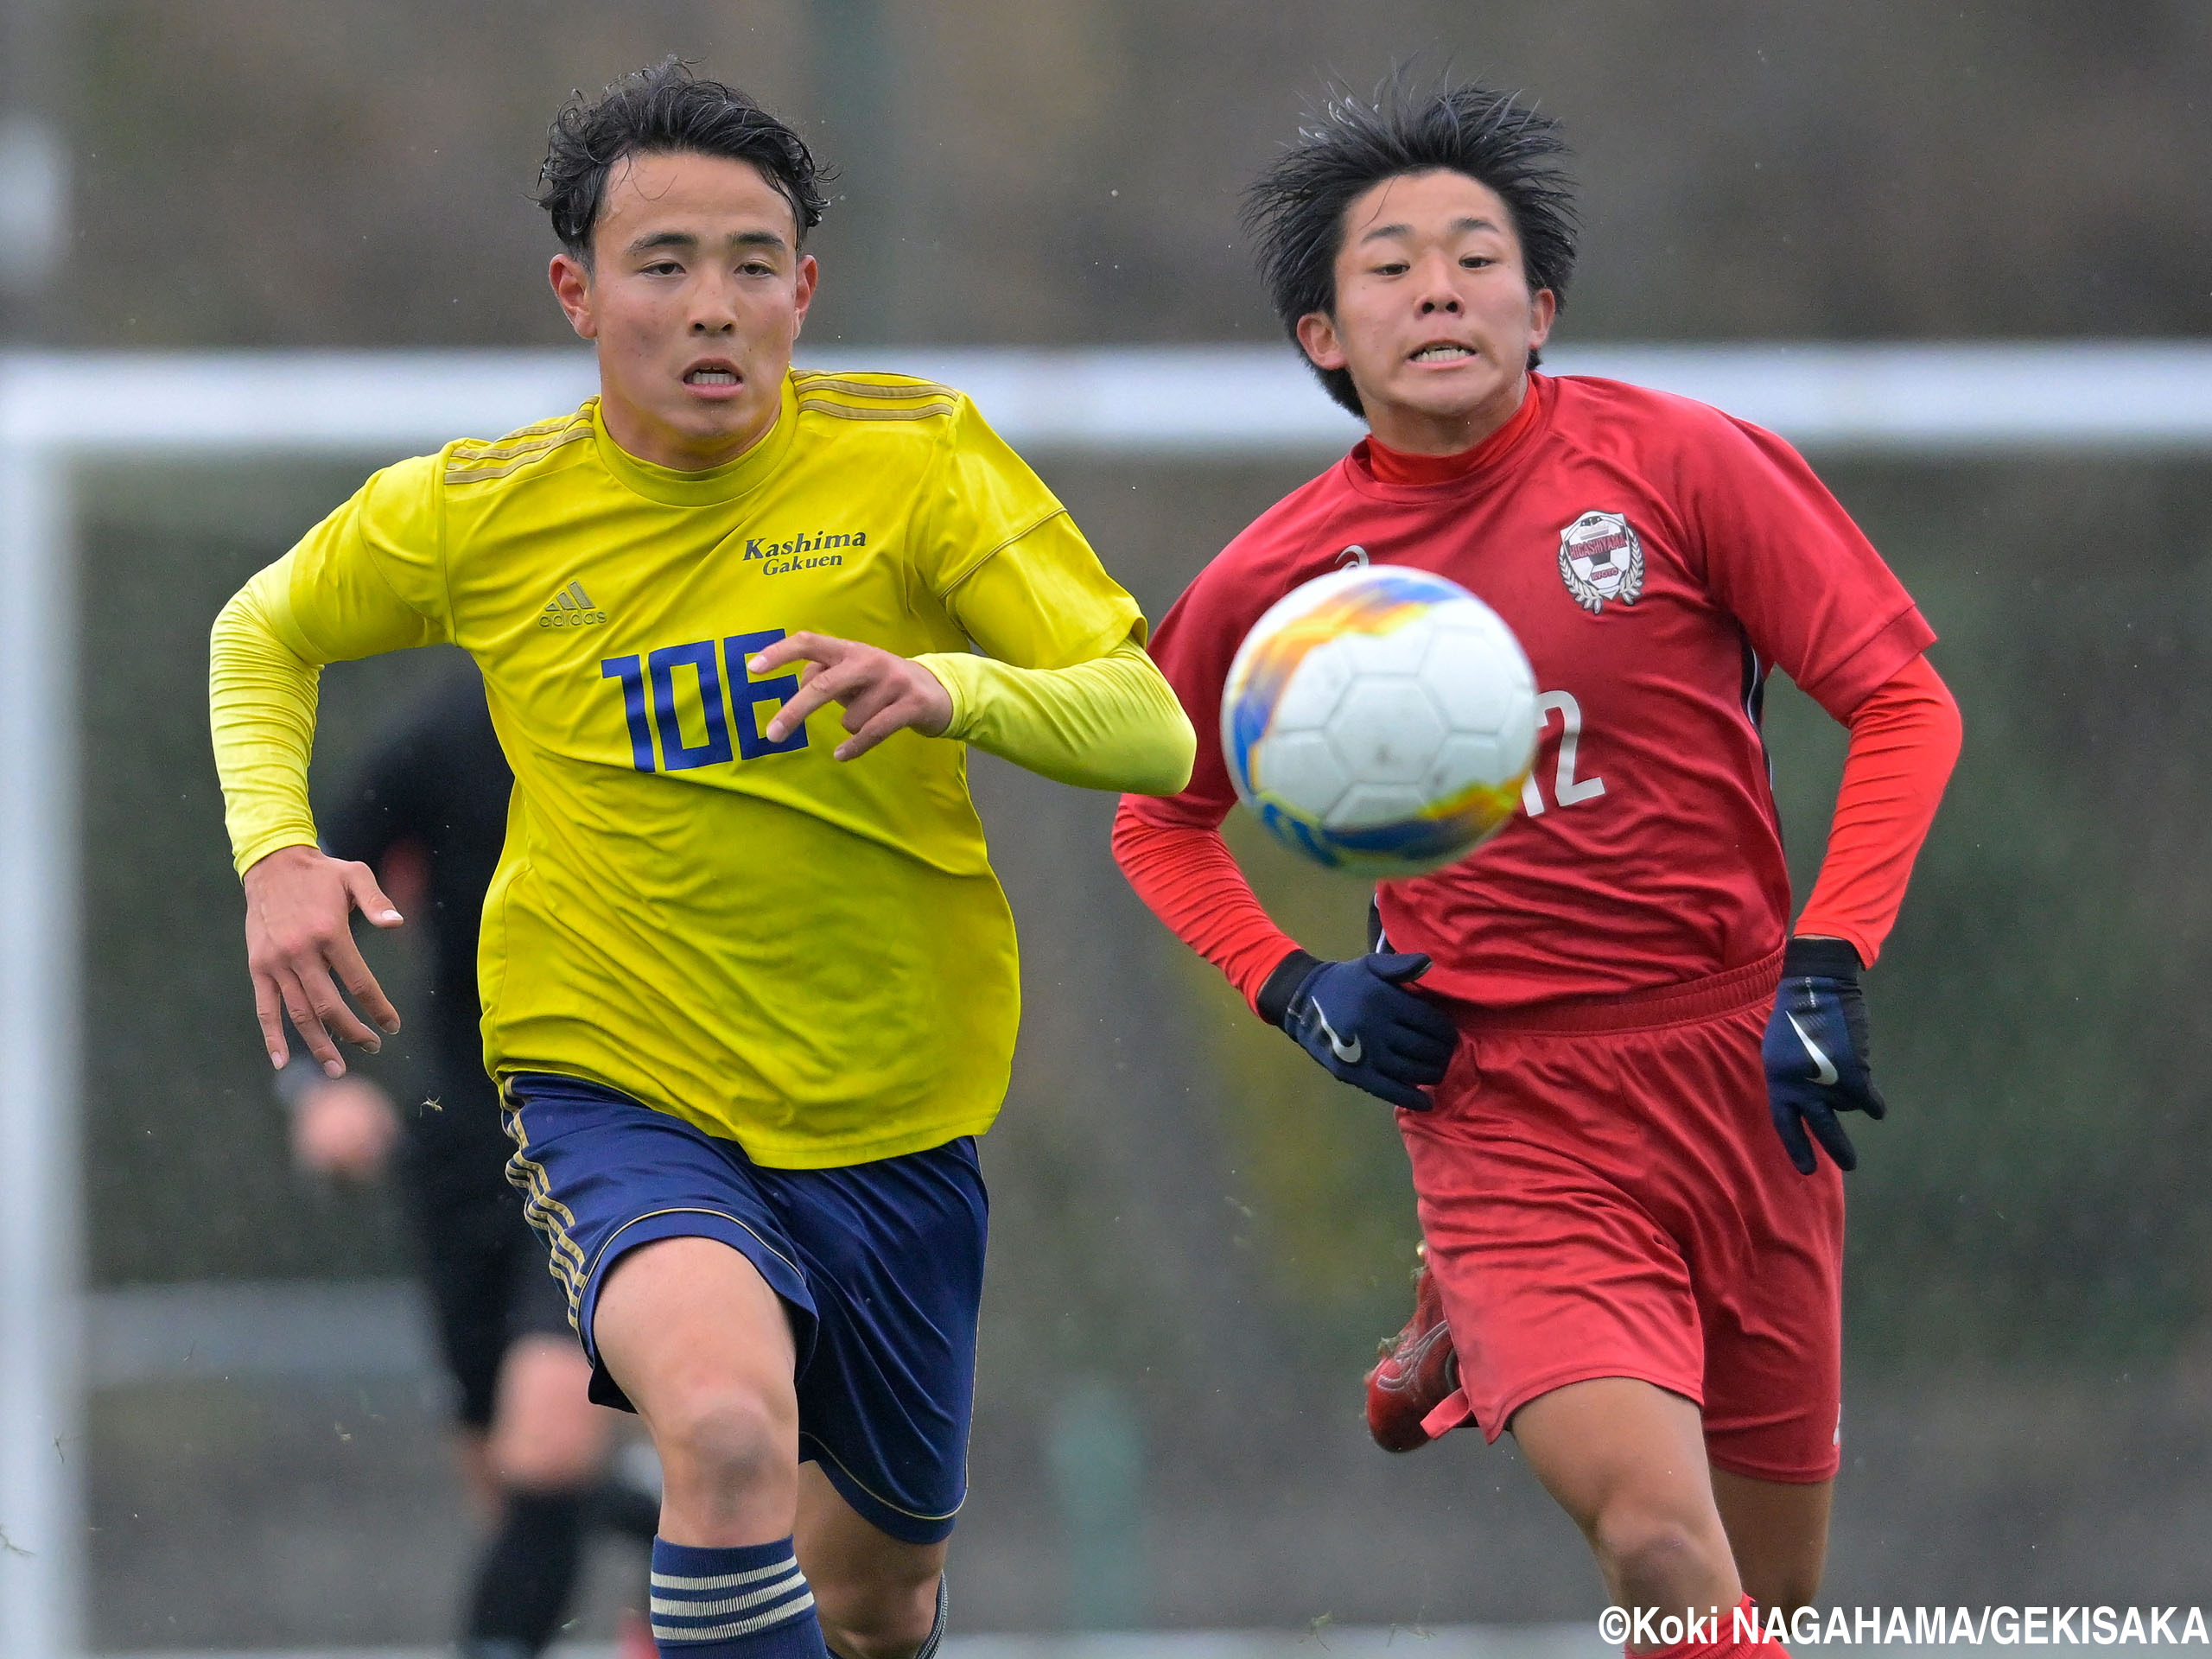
(811, 956)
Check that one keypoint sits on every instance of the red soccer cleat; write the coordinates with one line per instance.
(1419, 1370)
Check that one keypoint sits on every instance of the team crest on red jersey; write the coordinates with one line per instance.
(1600, 557)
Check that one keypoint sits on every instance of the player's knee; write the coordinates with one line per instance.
(1657, 1558)
(875, 1620)
(1787, 1586)
(726, 1439)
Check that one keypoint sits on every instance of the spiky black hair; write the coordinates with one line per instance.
(1295, 211)
(666, 110)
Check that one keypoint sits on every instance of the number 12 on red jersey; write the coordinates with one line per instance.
(1566, 788)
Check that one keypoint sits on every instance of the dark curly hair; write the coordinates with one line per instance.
(1295, 210)
(666, 110)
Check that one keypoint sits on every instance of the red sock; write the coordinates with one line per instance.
(1737, 1634)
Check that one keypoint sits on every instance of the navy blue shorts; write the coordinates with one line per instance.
(879, 1266)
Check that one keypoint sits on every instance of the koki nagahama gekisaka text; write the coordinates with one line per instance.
(1971, 1627)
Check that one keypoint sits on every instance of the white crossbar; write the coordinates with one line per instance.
(1195, 401)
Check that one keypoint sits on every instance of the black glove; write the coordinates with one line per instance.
(1358, 1021)
(1815, 1051)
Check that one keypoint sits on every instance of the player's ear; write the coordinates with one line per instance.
(1316, 337)
(809, 274)
(1543, 305)
(571, 280)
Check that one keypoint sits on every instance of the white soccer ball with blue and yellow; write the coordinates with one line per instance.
(1380, 720)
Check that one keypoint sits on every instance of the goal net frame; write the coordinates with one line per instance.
(1195, 405)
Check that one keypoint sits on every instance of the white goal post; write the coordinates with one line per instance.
(1195, 404)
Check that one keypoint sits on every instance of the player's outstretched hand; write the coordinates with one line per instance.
(1815, 1052)
(1360, 1022)
(881, 691)
(299, 906)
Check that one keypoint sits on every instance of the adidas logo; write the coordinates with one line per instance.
(571, 609)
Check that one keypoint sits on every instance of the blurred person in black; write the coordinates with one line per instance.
(428, 810)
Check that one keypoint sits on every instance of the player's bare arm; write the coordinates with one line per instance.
(300, 949)
(881, 691)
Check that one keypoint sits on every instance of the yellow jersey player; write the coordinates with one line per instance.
(749, 981)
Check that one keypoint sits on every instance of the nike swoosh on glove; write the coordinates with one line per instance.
(1360, 1022)
(1815, 1052)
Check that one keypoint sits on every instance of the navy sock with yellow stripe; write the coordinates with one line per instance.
(750, 1602)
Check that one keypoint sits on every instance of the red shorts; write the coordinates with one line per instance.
(1604, 1194)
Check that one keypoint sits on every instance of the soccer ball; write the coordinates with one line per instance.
(1380, 720)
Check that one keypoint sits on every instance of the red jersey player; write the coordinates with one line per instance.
(1623, 1266)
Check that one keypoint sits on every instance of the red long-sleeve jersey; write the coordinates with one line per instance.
(1657, 558)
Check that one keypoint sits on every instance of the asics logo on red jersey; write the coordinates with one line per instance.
(1348, 1053)
(1824, 1072)
(1601, 558)
(1354, 555)
(571, 609)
